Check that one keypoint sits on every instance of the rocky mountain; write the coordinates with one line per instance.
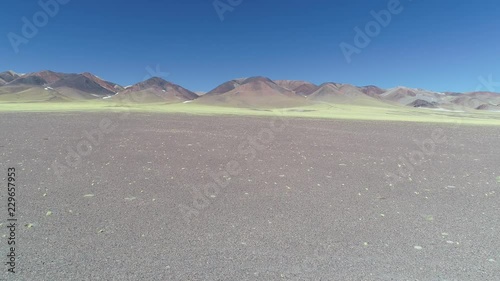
(422, 103)
(302, 88)
(372, 91)
(8, 76)
(226, 87)
(343, 94)
(82, 84)
(155, 90)
(50, 86)
(253, 92)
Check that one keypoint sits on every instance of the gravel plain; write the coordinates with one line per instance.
(109, 196)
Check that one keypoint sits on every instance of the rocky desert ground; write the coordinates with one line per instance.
(102, 196)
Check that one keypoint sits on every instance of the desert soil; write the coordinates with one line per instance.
(302, 199)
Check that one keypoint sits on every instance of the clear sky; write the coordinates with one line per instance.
(442, 45)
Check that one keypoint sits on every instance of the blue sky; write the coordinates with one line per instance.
(442, 45)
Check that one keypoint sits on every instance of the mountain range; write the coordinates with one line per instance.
(253, 92)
